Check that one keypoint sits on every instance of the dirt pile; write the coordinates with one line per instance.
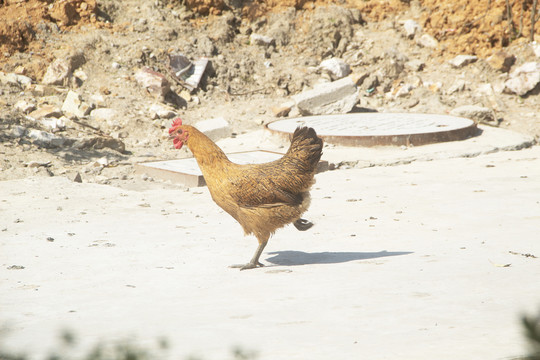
(27, 23)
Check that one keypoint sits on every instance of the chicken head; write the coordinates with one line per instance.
(176, 133)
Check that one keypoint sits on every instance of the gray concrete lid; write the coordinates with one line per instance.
(372, 129)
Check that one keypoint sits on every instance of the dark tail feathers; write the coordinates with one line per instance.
(306, 146)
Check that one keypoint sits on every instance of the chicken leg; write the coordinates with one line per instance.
(254, 262)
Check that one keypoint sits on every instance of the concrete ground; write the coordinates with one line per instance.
(426, 260)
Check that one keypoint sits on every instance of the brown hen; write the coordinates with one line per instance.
(261, 197)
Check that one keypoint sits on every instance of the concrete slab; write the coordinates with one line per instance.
(419, 261)
(375, 129)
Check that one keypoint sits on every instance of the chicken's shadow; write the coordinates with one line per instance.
(292, 258)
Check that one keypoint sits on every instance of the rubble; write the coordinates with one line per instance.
(155, 83)
(103, 114)
(15, 79)
(46, 111)
(479, 114)
(337, 97)
(501, 61)
(462, 60)
(336, 67)
(100, 142)
(186, 71)
(427, 41)
(57, 73)
(411, 27)
(25, 106)
(74, 105)
(523, 79)
(46, 139)
(161, 112)
(261, 40)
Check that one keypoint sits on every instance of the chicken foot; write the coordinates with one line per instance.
(303, 224)
(254, 262)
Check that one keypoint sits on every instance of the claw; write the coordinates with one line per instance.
(247, 266)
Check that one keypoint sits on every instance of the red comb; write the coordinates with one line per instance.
(177, 122)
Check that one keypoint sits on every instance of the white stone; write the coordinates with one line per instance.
(462, 60)
(258, 39)
(45, 138)
(25, 106)
(57, 72)
(335, 97)
(162, 112)
(411, 27)
(337, 67)
(457, 86)
(536, 48)
(105, 114)
(74, 105)
(524, 78)
(215, 129)
(18, 131)
(428, 41)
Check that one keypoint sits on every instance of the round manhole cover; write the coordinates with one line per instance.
(372, 129)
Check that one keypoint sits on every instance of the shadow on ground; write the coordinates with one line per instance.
(291, 257)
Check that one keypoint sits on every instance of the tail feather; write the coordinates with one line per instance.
(306, 146)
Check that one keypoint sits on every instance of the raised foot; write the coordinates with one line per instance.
(249, 265)
(302, 224)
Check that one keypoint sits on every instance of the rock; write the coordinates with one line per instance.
(103, 114)
(15, 79)
(77, 178)
(44, 90)
(411, 27)
(501, 61)
(261, 40)
(523, 79)
(57, 73)
(392, 69)
(478, 113)
(427, 41)
(80, 75)
(215, 129)
(100, 142)
(282, 110)
(462, 60)
(160, 111)
(46, 139)
(336, 67)
(536, 48)
(155, 83)
(54, 124)
(457, 86)
(336, 97)
(24, 106)
(415, 65)
(74, 105)
(18, 131)
(97, 100)
(24, 81)
(46, 111)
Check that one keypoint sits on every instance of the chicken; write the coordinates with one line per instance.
(261, 197)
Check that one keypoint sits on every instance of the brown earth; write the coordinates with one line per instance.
(244, 81)
(462, 26)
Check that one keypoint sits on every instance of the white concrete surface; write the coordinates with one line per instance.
(404, 262)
